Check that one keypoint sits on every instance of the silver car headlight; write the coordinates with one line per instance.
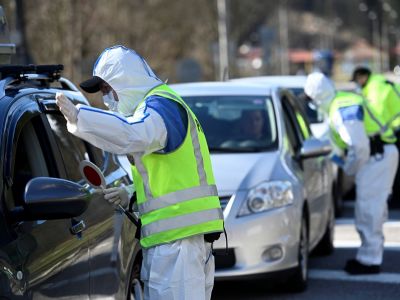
(266, 196)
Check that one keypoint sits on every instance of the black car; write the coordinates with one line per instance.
(58, 237)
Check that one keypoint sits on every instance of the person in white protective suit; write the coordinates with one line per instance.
(176, 193)
(363, 139)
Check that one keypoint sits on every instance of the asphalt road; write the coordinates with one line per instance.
(327, 280)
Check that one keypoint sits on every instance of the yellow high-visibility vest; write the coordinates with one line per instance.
(373, 124)
(176, 192)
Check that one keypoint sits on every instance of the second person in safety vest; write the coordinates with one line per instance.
(176, 194)
(369, 154)
(383, 97)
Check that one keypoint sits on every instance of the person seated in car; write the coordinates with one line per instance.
(251, 126)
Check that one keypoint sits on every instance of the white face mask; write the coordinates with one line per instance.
(110, 102)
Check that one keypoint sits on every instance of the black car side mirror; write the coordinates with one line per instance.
(49, 198)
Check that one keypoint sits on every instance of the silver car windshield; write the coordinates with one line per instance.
(236, 123)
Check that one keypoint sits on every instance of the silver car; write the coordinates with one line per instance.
(343, 184)
(274, 179)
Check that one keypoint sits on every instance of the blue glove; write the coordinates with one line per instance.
(337, 160)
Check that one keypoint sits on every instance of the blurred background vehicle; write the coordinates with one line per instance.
(343, 184)
(274, 179)
(58, 237)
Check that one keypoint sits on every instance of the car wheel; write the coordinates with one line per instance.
(298, 281)
(326, 246)
(135, 285)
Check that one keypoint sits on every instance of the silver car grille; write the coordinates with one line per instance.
(224, 201)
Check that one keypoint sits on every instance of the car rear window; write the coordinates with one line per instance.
(236, 123)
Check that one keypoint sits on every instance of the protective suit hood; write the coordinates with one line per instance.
(128, 74)
(320, 89)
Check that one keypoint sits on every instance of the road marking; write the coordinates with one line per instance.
(356, 244)
(349, 221)
(392, 278)
(346, 235)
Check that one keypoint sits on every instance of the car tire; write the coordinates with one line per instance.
(395, 197)
(298, 282)
(135, 285)
(326, 245)
(338, 194)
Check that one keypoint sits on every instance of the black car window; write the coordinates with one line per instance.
(73, 150)
(29, 160)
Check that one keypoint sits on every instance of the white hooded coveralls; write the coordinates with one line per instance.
(374, 175)
(180, 270)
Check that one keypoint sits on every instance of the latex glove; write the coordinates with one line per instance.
(337, 160)
(352, 162)
(67, 108)
(118, 195)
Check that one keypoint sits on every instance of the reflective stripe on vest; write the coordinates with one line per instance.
(176, 222)
(195, 138)
(143, 173)
(177, 197)
(382, 128)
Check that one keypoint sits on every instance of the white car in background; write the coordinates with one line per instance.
(275, 187)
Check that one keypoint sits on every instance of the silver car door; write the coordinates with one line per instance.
(318, 167)
(311, 167)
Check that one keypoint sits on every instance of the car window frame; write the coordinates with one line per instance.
(288, 113)
(299, 111)
(296, 109)
(22, 111)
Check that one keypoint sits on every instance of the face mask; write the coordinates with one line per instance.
(110, 102)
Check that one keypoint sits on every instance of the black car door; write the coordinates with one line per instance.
(45, 259)
(103, 224)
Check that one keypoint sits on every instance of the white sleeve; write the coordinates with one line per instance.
(353, 133)
(145, 131)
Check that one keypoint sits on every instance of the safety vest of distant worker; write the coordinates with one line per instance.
(176, 192)
(375, 125)
(384, 99)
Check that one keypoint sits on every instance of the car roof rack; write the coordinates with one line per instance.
(49, 72)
